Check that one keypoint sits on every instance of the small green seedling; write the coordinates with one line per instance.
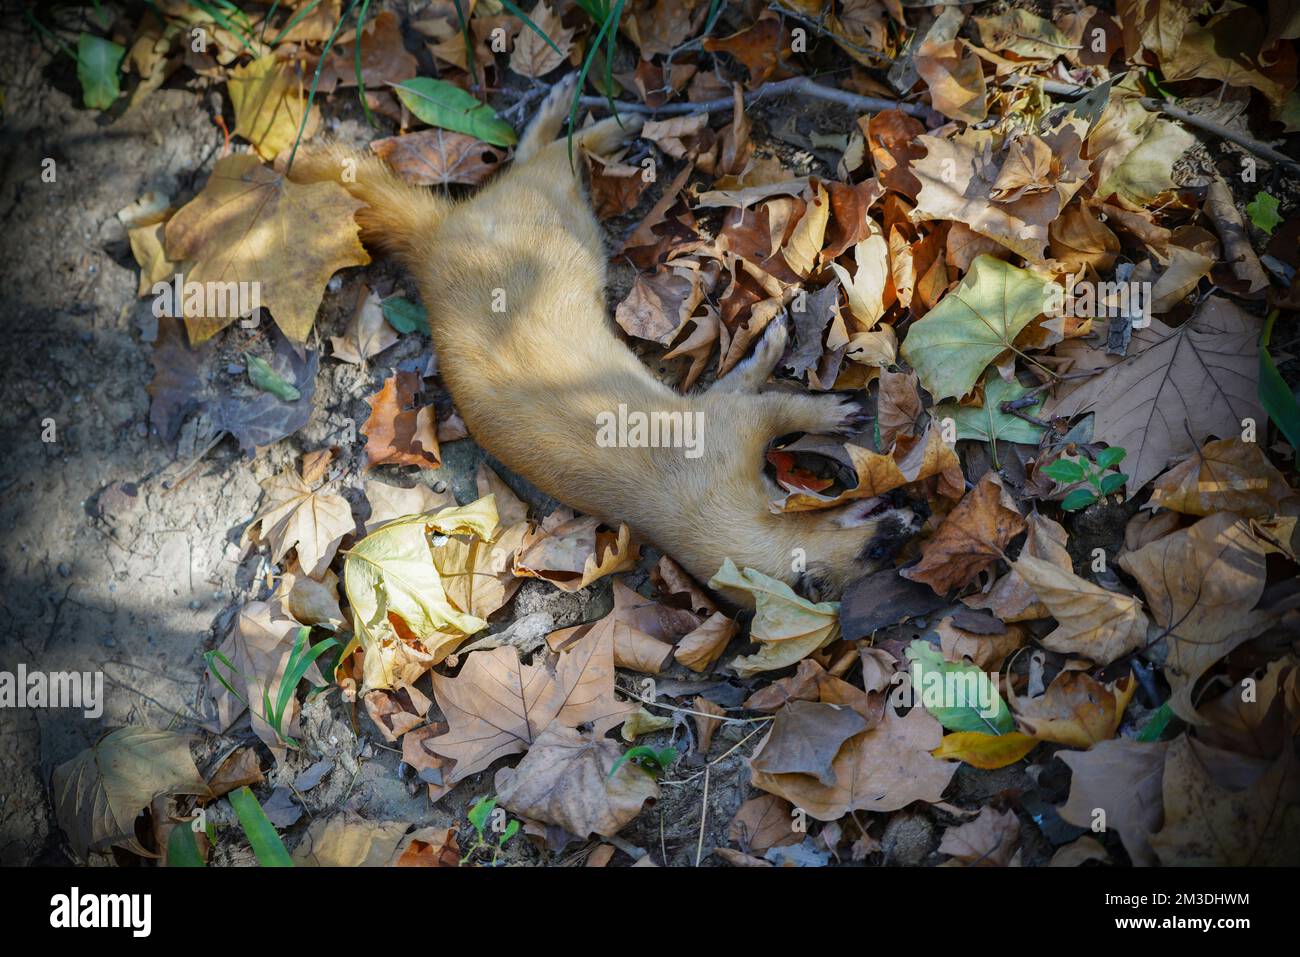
(301, 658)
(654, 760)
(1262, 211)
(484, 816)
(1101, 485)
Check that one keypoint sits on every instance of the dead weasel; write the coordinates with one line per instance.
(513, 280)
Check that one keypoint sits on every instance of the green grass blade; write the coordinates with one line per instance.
(222, 20)
(215, 655)
(1274, 394)
(356, 60)
(266, 843)
(293, 21)
(315, 82)
(528, 22)
(586, 66)
(182, 848)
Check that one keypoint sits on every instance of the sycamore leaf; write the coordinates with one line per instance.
(251, 225)
(866, 290)
(497, 706)
(1098, 624)
(1011, 598)
(884, 768)
(399, 431)
(1176, 389)
(1210, 823)
(1076, 710)
(1122, 778)
(439, 157)
(572, 552)
(1202, 584)
(763, 822)
(569, 779)
(990, 423)
(991, 840)
(805, 738)
(970, 539)
(391, 572)
(312, 522)
(268, 102)
(1227, 475)
(98, 794)
(786, 626)
(971, 326)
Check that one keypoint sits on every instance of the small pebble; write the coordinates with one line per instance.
(65, 569)
(195, 604)
(108, 641)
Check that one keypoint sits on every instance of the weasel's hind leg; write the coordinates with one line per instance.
(548, 122)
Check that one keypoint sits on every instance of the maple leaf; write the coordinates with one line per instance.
(1176, 388)
(312, 522)
(1123, 779)
(953, 73)
(1075, 710)
(250, 224)
(497, 706)
(644, 630)
(971, 326)
(970, 539)
(397, 432)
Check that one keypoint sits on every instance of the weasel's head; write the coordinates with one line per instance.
(862, 538)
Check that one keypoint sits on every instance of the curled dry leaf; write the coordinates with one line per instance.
(1098, 624)
(1202, 585)
(348, 840)
(786, 626)
(388, 502)
(705, 728)
(970, 539)
(1227, 475)
(1076, 710)
(572, 552)
(439, 157)
(398, 430)
(269, 103)
(532, 55)
(643, 630)
(565, 780)
(1011, 598)
(763, 822)
(699, 649)
(367, 333)
(98, 794)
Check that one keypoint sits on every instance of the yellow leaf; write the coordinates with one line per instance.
(268, 106)
(987, 751)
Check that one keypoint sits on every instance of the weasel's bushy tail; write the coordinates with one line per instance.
(396, 214)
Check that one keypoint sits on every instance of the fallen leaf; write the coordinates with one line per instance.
(311, 522)
(1012, 598)
(388, 502)
(438, 157)
(98, 794)
(251, 225)
(986, 751)
(970, 539)
(532, 55)
(1076, 710)
(572, 552)
(763, 822)
(565, 779)
(961, 697)
(1117, 786)
(269, 105)
(399, 431)
(988, 841)
(804, 739)
(1227, 475)
(699, 649)
(1098, 624)
(367, 333)
(786, 626)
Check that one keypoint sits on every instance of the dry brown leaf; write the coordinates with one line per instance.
(971, 538)
(532, 55)
(1076, 710)
(991, 840)
(388, 502)
(399, 431)
(955, 77)
(367, 334)
(986, 651)
(1098, 624)
(644, 630)
(496, 706)
(571, 553)
(1176, 389)
(1201, 584)
(311, 522)
(269, 101)
(1011, 598)
(251, 225)
(1227, 475)
(805, 738)
(439, 157)
(705, 728)
(763, 822)
(699, 649)
(565, 780)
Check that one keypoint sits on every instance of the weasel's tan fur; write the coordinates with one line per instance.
(530, 381)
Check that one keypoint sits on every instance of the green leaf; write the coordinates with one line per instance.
(655, 760)
(952, 344)
(991, 423)
(1262, 211)
(182, 848)
(1065, 472)
(1113, 482)
(961, 697)
(406, 316)
(511, 830)
(1078, 499)
(267, 379)
(478, 815)
(266, 843)
(1274, 394)
(1109, 458)
(98, 63)
(438, 103)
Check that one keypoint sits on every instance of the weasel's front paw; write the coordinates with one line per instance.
(846, 416)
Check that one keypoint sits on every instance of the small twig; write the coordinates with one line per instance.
(704, 817)
(702, 714)
(1054, 87)
(799, 84)
(1241, 139)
